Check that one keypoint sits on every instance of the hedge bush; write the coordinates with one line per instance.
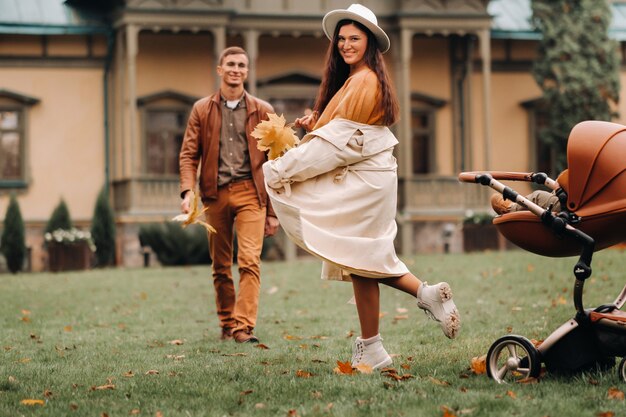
(103, 230)
(13, 240)
(174, 245)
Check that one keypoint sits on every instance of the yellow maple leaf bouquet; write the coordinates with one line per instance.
(275, 135)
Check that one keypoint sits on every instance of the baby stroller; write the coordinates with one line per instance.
(592, 193)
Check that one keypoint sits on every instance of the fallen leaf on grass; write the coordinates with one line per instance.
(393, 374)
(47, 393)
(175, 357)
(447, 412)
(528, 380)
(438, 381)
(152, 372)
(134, 412)
(176, 342)
(246, 392)
(364, 369)
(606, 414)
(103, 387)
(128, 374)
(479, 365)
(235, 354)
(67, 328)
(30, 401)
(344, 368)
(303, 374)
(511, 394)
(615, 394)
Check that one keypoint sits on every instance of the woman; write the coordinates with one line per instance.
(335, 194)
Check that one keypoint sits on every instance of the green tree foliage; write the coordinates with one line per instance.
(174, 245)
(577, 67)
(60, 218)
(103, 230)
(13, 240)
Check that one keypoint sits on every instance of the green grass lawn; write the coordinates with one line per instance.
(145, 342)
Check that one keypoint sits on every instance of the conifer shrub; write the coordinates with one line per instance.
(103, 230)
(174, 245)
(60, 218)
(13, 239)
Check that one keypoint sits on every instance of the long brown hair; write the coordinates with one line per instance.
(337, 72)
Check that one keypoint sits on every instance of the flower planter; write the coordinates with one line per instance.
(65, 256)
(480, 237)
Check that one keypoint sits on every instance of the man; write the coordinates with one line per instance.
(231, 186)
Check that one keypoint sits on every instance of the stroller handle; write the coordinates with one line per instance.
(536, 177)
(472, 176)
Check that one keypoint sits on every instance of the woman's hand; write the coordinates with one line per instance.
(307, 122)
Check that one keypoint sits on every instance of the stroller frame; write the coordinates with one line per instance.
(589, 340)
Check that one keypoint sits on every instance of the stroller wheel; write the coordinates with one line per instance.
(621, 370)
(512, 358)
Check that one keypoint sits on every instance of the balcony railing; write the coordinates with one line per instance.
(146, 195)
(435, 196)
(426, 197)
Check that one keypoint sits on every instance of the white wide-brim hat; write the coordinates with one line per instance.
(361, 14)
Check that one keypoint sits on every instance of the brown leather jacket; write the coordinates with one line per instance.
(201, 147)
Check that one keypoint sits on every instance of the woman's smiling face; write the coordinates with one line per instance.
(352, 45)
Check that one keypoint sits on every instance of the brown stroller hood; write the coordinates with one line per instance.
(596, 188)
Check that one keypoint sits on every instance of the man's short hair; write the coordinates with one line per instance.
(232, 50)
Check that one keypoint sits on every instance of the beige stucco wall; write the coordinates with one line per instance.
(282, 55)
(182, 62)
(510, 146)
(65, 143)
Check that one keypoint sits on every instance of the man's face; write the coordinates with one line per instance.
(233, 70)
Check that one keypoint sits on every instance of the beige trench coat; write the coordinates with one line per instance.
(335, 196)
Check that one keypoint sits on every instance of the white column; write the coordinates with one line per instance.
(119, 153)
(252, 48)
(132, 34)
(219, 44)
(485, 56)
(406, 45)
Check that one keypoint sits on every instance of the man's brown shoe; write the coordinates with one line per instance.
(227, 333)
(241, 336)
(499, 204)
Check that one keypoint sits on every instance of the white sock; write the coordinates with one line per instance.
(371, 340)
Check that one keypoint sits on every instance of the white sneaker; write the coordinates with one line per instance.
(370, 352)
(436, 301)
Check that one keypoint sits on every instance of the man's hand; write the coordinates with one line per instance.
(271, 226)
(185, 205)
